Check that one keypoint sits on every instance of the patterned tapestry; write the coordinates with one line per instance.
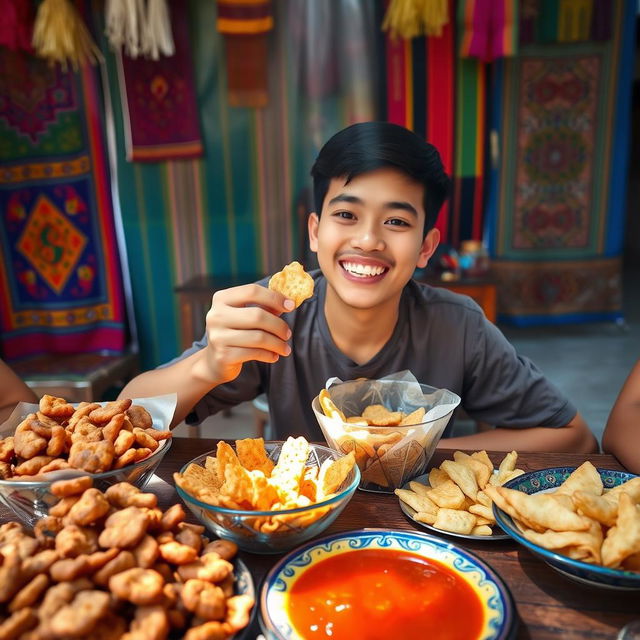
(60, 282)
(557, 196)
(159, 102)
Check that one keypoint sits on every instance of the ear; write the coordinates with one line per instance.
(312, 227)
(429, 245)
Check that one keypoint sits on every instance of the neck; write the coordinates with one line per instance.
(360, 333)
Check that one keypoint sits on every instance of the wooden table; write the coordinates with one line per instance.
(549, 605)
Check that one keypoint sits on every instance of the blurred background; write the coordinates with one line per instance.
(154, 151)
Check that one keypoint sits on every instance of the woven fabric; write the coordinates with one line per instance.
(159, 102)
(420, 80)
(557, 204)
(60, 280)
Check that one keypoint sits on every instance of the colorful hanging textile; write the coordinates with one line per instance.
(420, 84)
(565, 20)
(489, 28)
(16, 25)
(245, 25)
(467, 209)
(60, 280)
(160, 110)
(557, 196)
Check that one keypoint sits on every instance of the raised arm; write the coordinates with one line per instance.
(14, 390)
(622, 433)
(243, 324)
(574, 437)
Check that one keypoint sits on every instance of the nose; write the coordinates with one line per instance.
(367, 238)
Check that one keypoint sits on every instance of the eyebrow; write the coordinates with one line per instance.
(394, 205)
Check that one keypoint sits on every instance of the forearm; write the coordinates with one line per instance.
(619, 439)
(575, 437)
(188, 378)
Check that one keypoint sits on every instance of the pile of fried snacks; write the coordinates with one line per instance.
(375, 415)
(293, 282)
(114, 565)
(247, 479)
(90, 437)
(580, 519)
(458, 497)
(385, 457)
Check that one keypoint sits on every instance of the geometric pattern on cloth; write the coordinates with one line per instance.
(585, 287)
(557, 193)
(60, 280)
(159, 102)
(551, 172)
(51, 243)
(556, 159)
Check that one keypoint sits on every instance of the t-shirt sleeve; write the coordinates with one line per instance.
(245, 387)
(505, 389)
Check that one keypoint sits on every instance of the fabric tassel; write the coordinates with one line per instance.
(412, 18)
(60, 35)
(16, 25)
(123, 20)
(156, 32)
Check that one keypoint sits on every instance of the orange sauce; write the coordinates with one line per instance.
(368, 594)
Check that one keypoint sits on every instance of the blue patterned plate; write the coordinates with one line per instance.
(499, 614)
(590, 574)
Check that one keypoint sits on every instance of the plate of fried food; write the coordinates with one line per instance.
(122, 440)
(268, 497)
(584, 522)
(115, 565)
(453, 497)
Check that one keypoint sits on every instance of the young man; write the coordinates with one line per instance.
(377, 189)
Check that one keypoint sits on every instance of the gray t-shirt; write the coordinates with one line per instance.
(443, 338)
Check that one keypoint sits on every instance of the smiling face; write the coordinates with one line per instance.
(369, 238)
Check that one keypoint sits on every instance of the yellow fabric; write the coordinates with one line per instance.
(574, 20)
(411, 18)
(60, 35)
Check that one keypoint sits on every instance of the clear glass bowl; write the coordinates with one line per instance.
(388, 457)
(31, 500)
(242, 527)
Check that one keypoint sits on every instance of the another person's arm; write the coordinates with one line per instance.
(575, 437)
(622, 433)
(14, 390)
(243, 324)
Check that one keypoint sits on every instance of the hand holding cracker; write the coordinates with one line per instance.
(293, 282)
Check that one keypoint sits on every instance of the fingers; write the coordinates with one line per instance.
(254, 294)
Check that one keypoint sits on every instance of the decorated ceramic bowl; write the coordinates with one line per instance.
(583, 572)
(390, 582)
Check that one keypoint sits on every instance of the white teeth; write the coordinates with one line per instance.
(362, 269)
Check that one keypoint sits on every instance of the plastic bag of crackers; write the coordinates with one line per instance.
(392, 425)
(113, 565)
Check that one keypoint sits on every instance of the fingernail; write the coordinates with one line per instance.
(288, 334)
(289, 304)
(287, 350)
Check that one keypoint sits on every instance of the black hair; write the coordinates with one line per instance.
(367, 146)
